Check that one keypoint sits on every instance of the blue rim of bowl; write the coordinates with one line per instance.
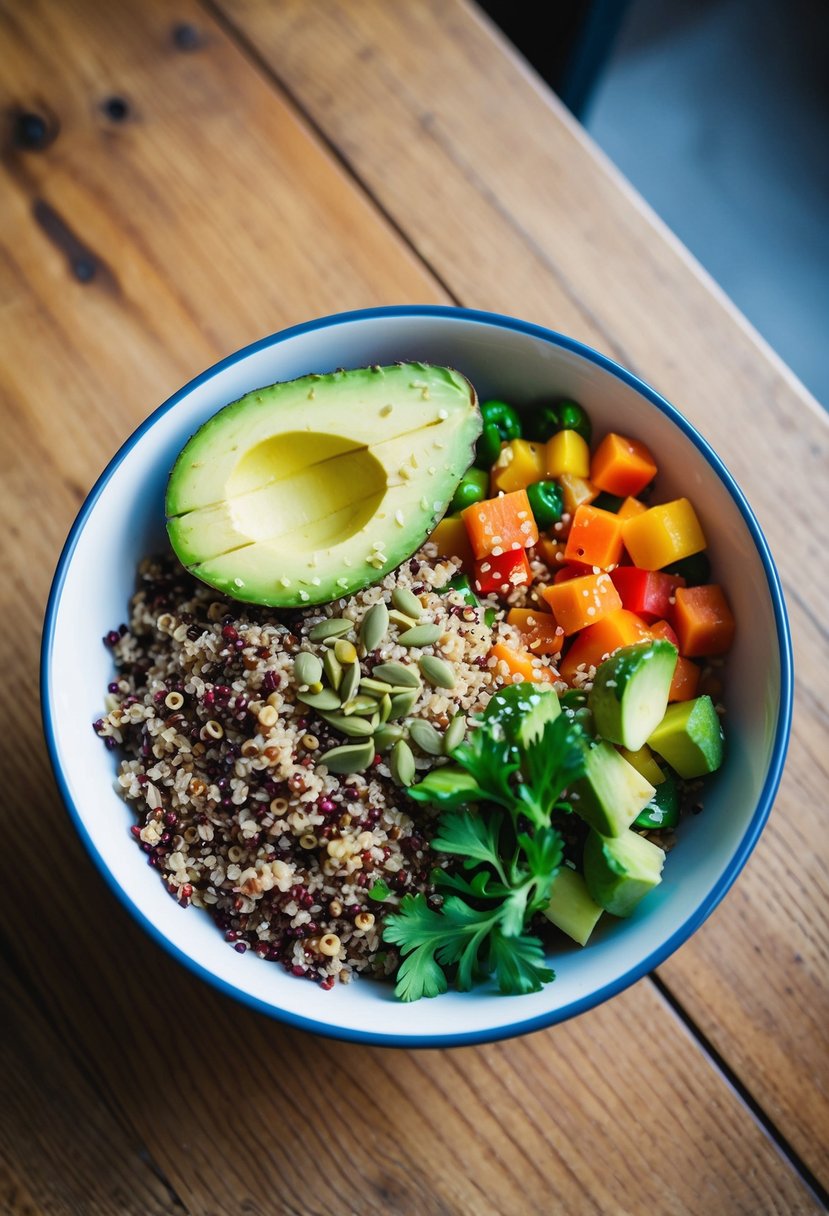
(781, 735)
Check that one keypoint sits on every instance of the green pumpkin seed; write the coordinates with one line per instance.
(350, 682)
(387, 735)
(406, 601)
(455, 734)
(384, 712)
(345, 652)
(327, 699)
(436, 671)
(426, 737)
(333, 669)
(398, 674)
(402, 703)
(420, 635)
(374, 627)
(361, 706)
(376, 686)
(401, 763)
(334, 627)
(353, 726)
(401, 619)
(307, 668)
(351, 758)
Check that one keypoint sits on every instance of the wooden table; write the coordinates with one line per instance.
(206, 174)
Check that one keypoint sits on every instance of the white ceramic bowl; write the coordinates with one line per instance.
(122, 519)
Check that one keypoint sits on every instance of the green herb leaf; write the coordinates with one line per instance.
(519, 964)
(448, 787)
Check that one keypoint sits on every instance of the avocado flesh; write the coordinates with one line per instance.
(311, 489)
(621, 871)
(571, 908)
(611, 793)
(690, 738)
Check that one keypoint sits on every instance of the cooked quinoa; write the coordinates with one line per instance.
(235, 806)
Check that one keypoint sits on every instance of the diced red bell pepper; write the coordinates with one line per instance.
(571, 570)
(648, 593)
(500, 574)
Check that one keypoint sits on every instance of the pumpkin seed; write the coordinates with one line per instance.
(436, 671)
(403, 703)
(420, 635)
(401, 763)
(387, 735)
(397, 673)
(333, 669)
(334, 627)
(376, 686)
(426, 737)
(307, 668)
(362, 706)
(374, 627)
(401, 619)
(350, 758)
(406, 601)
(353, 726)
(455, 734)
(327, 699)
(384, 712)
(350, 681)
(345, 652)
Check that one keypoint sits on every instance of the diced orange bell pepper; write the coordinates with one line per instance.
(567, 452)
(519, 666)
(685, 681)
(621, 466)
(629, 508)
(663, 629)
(582, 601)
(575, 491)
(595, 538)
(620, 628)
(499, 524)
(551, 552)
(520, 464)
(541, 633)
(662, 535)
(704, 622)
(452, 540)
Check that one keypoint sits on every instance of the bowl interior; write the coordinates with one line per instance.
(123, 520)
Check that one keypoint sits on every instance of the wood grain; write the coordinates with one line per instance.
(505, 195)
(210, 215)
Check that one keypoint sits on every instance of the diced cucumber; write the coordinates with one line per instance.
(630, 692)
(612, 793)
(644, 763)
(523, 710)
(620, 871)
(663, 809)
(690, 738)
(570, 908)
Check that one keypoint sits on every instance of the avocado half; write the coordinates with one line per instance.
(312, 489)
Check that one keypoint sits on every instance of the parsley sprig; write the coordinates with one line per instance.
(497, 801)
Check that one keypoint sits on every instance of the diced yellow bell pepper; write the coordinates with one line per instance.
(662, 535)
(567, 452)
(631, 507)
(520, 464)
(575, 491)
(452, 540)
(644, 763)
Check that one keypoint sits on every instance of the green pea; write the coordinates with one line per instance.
(546, 503)
(563, 416)
(473, 487)
(695, 569)
(504, 417)
(461, 583)
(488, 448)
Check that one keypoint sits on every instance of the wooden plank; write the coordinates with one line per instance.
(495, 185)
(241, 1114)
(61, 1150)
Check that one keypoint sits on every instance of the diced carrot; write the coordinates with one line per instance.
(621, 465)
(551, 552)
(519, 666)
(541, 633)
(685, 681)
(620, 628)
(499, 524)
(582, 601)
(595, 538)
(663, 629)
(452, 540)
(498, 575)
(520, 464)
(576, 490)
(629, 508)
(704, 622)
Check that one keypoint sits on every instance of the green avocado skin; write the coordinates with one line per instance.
(308, 490)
